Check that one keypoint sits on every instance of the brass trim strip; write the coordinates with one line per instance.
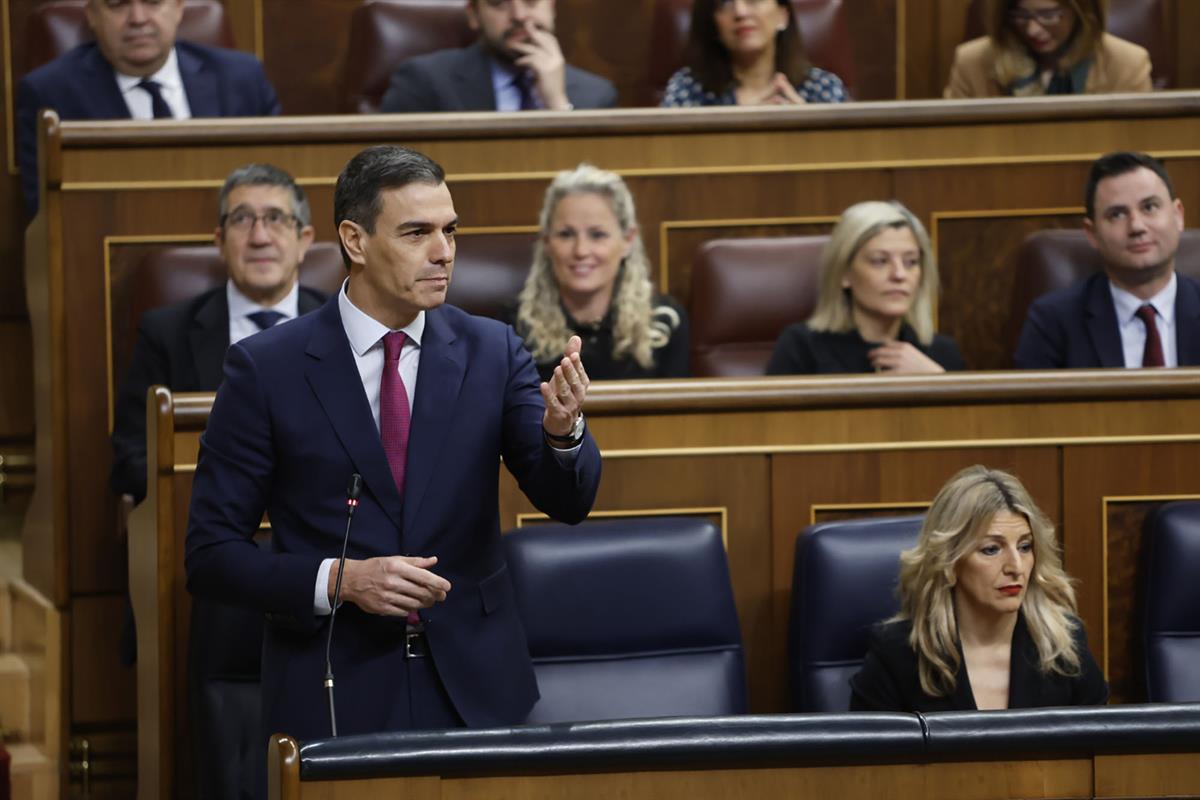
(856, 447)
(659, 172)
(472, 229)
(260, 48)
(1104, 503)
(626, 513)
(667, 225)
(109, 241)
(901, 49)
(901, 504)
(9, 100)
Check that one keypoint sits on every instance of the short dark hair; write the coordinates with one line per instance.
(386, 166)
(711, 64)
(1119, 163)
(265, 175)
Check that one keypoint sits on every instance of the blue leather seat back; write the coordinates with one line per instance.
(844, 582)
(1171, 622)
(628, 618)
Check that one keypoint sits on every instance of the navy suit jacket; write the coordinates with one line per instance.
(81, 85)
(460, 79)
(1077, 327)
(181, 346)
(289, 426)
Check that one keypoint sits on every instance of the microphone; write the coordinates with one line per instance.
(353, 490)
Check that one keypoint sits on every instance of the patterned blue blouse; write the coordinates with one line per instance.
(684, 90)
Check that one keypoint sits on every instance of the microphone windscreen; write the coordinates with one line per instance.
(354, 489)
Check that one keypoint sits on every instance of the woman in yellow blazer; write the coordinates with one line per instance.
(1040, 47)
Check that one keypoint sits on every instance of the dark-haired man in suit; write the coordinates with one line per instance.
(423, 401)
(135, 69)
(515, 65)
(264, 229)
(1139, 311)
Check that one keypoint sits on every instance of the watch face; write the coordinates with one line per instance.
(577, 431)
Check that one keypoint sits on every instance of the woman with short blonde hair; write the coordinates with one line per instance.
(877, 291)
(987, 614)
(1046, 47)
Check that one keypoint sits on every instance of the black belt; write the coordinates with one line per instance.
(415, 644)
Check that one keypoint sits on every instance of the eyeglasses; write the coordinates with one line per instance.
(275, 220)
(1043, 16)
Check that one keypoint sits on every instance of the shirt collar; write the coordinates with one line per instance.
(240, 305)
(167, 77)
(364, 331)
(1127, 304)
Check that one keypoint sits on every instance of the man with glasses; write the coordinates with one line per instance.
(515, 65)
(263, 233)
(136, 69)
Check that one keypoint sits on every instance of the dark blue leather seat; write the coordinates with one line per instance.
(844, 581)
(629, 618)
(1171, 619)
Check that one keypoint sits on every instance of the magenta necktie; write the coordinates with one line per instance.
(394, 415)
(1152, 356)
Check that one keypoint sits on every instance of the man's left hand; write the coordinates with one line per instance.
(542, 56)
(565, 392)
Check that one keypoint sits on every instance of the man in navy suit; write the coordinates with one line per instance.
(135, 69)
(422, 401)
(515, 65)
(264, 229)
(1139, 311)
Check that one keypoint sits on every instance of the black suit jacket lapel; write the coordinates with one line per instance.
(333, 376)
(1102, 327)
(1187, 321)
(208, 337)
(473, 77)
(439, 379)
(110, 103)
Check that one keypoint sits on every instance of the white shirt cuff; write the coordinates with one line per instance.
(321, 607)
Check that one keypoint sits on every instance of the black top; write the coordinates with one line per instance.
(802, 351)
(889, 680)
(670, 324)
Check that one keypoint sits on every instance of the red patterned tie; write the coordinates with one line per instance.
(394, 415)
(1152, 356)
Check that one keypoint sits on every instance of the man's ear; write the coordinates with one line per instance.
(472, 16)
(1089, 228)
(219, 237)
(354, 241)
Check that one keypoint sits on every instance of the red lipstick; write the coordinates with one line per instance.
(1011, 591)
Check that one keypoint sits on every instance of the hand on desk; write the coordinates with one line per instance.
(391, 585)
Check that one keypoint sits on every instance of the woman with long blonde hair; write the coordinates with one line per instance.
(590, 277)
(987, 615)
(1047, 47)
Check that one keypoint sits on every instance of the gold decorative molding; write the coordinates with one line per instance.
(901, 49)
(1105, 501)
(9, 100)
(628, 513)
(666, 226)
(863, 447)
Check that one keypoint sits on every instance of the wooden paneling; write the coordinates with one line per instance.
(102, 689)
(977, 280)
(1105, 492)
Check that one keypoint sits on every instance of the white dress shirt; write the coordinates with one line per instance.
(365, 334)
(241, 307)
(1133, 330)
(170, 84)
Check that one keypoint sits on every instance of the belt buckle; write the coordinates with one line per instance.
(415, 645)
